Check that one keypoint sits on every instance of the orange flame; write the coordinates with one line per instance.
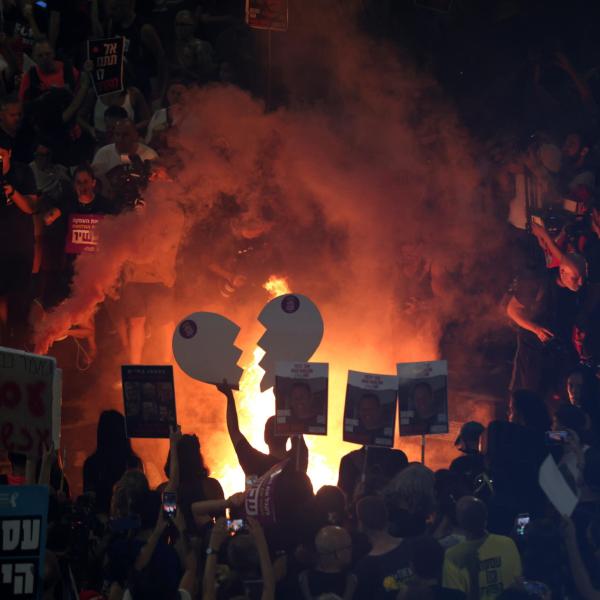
(255, 407)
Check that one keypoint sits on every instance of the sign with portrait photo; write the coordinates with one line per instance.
(423, 397)
(370, 409)
(149, 397)
(23, 525)
(301, 398)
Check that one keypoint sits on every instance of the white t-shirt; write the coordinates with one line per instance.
(108, 158)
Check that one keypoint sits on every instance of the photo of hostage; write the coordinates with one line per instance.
(424, 407)
(374, 414)
(304, 409)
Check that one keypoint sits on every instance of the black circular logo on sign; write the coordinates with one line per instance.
(290, 304)
(188, 329)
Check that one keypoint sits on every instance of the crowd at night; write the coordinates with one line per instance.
(515, 511)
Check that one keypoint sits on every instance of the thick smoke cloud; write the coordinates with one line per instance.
(366, 186)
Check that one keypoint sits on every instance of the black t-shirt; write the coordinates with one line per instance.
(75, 22)
(322, 583)
(592, 256)
(16, 227)
(255, 462)
(379, 577)
(549, 305)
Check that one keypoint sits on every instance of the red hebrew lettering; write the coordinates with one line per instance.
(5, 435)
(28, 445)
(10, 394)
(36, 402)
(44, 440)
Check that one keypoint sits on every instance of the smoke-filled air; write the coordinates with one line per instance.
(364, 194)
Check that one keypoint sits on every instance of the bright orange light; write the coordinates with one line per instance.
(276, 286)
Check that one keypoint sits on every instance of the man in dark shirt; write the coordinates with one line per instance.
(545, 309)
(17, 203)
(382, 572)
(253, 462)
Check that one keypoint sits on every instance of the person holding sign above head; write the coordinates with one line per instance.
(252, 461)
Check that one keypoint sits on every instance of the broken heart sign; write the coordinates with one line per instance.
(203, 346)
(294, 330)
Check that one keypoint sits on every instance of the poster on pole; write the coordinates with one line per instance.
(23, 525)
(108, 58)
(27, 389)
(82, 234)
(370, 409)
(301, 398)
(423, 397)
(149, 397)
(267, 14)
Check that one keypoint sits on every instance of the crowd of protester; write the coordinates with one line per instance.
(481, 528)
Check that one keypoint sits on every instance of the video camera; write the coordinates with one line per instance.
(133, 179)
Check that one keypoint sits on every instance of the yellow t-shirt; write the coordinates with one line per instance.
(496, 560)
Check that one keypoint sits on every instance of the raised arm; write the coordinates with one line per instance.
(266, 566)
(516, 312)
(232, 418)
(217, 537)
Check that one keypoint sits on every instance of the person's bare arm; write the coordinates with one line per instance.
(233, 426)
(578, 571)
(266, 566)
(174, 439)
(580, 84)
(84, 86)
(543, 236)
(149, 547)
(207, 507)
(516, 312)
(54, 27)
(217, 537)
(97, 29)
(25, 202)
(152, 42)
(30, 17)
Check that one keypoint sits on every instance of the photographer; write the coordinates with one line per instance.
(124, 165)
(17, 203)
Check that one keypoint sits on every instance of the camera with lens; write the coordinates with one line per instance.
(133, 180)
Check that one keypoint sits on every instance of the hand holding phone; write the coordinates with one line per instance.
(169, 505)
(234, 526)
(556, 437)
(521, 523)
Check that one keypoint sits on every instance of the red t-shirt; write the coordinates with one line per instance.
(47, 80)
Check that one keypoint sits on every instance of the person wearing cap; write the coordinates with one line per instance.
(17, 204)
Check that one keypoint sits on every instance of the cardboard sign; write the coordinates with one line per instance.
(260, 496)
(370, 409)
(82, 235)
(203, 348)
(423, 396)
(23, 525)
(108, 58)
(301, 398)
(556, 488)
(294, 330)
(26, 401)
(267, 14)
(149, 397)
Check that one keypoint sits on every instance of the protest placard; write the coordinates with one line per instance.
(267, 14)
(203, 348)
(259, 501)
(26, 401)
(562, 496)
(23, 525)
(82, 233)
(423, 397)
(301, 398)
(294, 330)
(108, 58)
(149, 397)
(370, 409)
